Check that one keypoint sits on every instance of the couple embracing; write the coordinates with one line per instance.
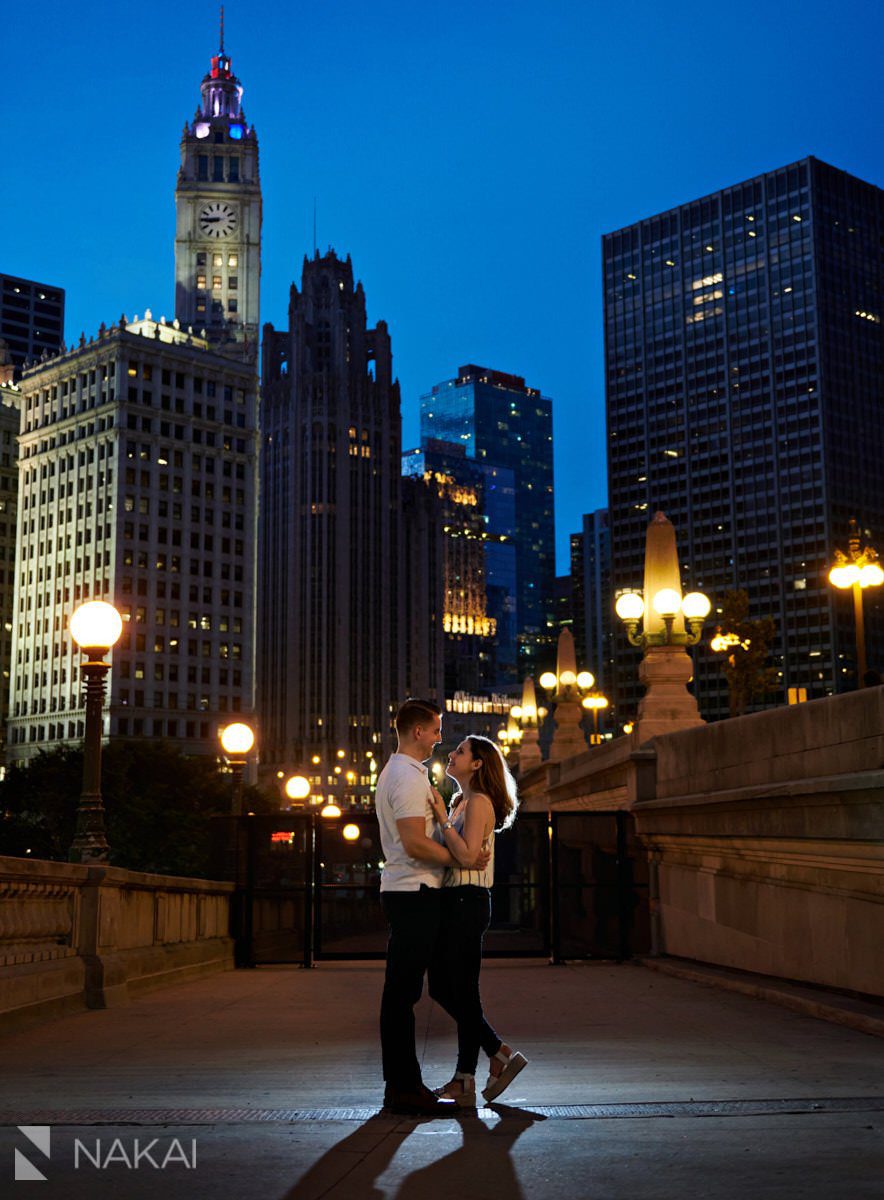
(435, 892)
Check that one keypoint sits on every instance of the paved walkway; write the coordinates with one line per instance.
(273, 1074)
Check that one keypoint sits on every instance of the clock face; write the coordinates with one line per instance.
(217, 219)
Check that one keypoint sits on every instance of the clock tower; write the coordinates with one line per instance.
(218, 227)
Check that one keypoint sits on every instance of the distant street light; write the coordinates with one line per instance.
(567, 686)
(297, 787)
(330, 811)
(95, 627)
(595, 702)
(237, 741)
(858, 569)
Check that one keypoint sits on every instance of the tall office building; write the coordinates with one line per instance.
(218, 211)
(10, 401)
(138, 478)
(744, 372)
(592, 600)
(476, 521)
(137, 485)
(31, 318)
(500, 422)
(331, 652)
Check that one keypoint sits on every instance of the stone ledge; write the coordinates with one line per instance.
(842, 1008)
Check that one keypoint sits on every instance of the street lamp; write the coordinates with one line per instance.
(663, 623)
(595, 702)
(95, 627)
(330, 810)
(297, 787)
(521, 732)
(668, 604)
(857, 569)
(237, 741)
(567, 686)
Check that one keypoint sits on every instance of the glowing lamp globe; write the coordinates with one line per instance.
(696, 606)
(96, 625)
(567, 679)
(330, 811)
(548, 680)
(516, 711)
(529, 712)
(667, 602)
(844, 577)
(871, 575)
(297, 787)
(630, 607)
(237, 739)
(585, 679)
(350, 833)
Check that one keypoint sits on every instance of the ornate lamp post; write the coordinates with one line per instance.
(567, 687)
(237, 741)
(857, 569)
(670, 624)
(95, 627)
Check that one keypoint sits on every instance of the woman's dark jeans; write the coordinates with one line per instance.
(454, 971)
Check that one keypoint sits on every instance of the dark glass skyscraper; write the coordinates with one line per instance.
(500, 422)
(744, 376)
(591, 595)
(31, 318)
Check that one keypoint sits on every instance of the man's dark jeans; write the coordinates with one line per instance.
(413, 918)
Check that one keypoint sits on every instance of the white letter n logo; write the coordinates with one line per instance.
(39, 1135)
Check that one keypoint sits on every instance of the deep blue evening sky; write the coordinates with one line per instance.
(468, 155)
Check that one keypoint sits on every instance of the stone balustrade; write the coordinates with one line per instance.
(765, 835)
(75, 936)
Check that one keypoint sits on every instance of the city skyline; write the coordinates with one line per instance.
(561, 136)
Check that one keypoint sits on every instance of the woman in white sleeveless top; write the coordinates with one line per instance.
(484, 804)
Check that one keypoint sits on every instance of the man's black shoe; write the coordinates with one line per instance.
(419, 1102)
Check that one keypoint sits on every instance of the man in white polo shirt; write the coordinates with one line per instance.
(410, 895)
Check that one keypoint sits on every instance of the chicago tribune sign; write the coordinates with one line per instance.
(101, 1154)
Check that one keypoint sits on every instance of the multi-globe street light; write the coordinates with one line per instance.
(857, 570)
(95, 627)
(668, 604)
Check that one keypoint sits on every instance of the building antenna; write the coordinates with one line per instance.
(314, 226)
(222, 28)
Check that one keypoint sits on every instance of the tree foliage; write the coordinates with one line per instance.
(745, 666)
(159, 806)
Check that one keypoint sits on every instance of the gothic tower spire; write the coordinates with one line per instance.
(218, 201)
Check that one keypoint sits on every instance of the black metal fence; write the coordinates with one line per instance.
(568, 885)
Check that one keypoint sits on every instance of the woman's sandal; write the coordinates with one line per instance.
(461, 1089)
(512, 1064)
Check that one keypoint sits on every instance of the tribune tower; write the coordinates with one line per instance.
(218, 228)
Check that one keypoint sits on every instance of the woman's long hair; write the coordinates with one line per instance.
(494, 780)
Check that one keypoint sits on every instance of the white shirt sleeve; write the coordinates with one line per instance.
(410, 795)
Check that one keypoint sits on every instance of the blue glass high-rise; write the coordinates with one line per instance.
(501, 423)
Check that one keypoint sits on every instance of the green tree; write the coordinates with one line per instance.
(159, 806)
(748, 677)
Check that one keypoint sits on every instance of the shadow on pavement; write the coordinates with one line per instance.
(480, 1166)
